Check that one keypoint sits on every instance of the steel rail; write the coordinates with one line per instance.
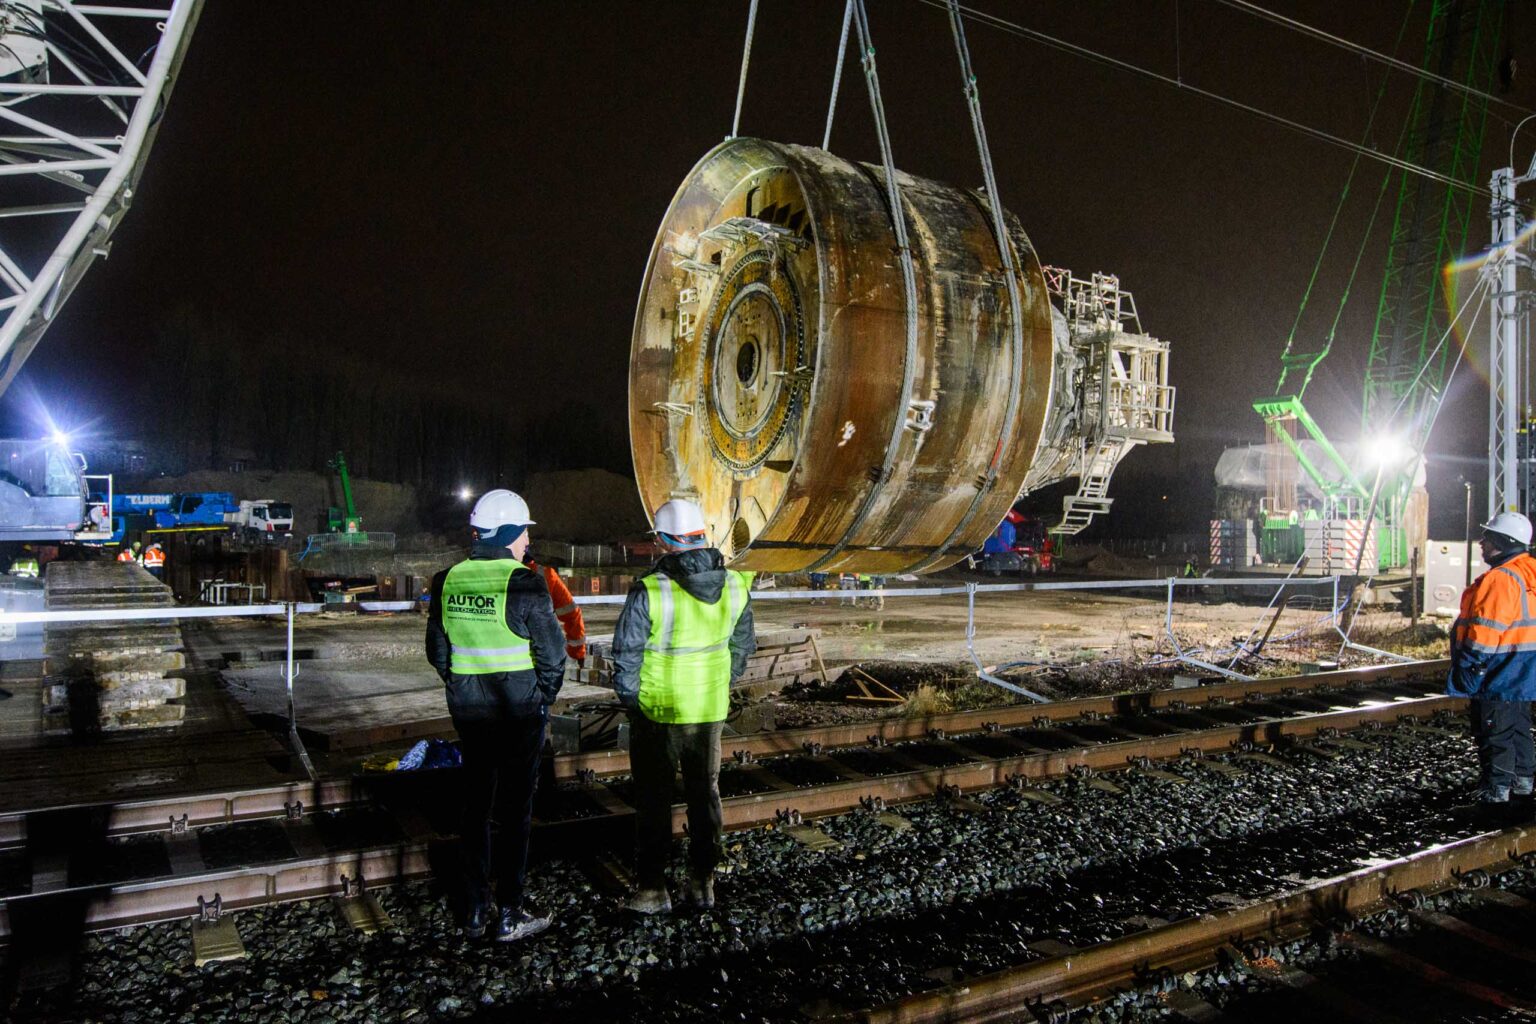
(989, 773)
(310, 875)
(196, 810)
(1183, 945)
(891, 730)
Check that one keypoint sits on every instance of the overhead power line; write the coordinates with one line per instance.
(1014, 28)
(1369, 54)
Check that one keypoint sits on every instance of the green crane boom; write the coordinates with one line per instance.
(1405, 370)
(344, 519)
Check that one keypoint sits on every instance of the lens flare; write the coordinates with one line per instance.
(1459, 278)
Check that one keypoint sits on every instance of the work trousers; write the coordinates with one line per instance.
(657, 752)
(501, 772)
(1503, 732)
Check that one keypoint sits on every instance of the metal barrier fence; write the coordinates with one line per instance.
(289, 611)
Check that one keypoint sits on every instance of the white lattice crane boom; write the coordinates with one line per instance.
(83, 87)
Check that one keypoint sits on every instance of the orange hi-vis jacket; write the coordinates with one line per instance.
(126, 555)
(1493, 642)
(154, 558)
(565, 610)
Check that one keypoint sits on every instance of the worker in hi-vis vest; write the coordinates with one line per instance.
(566, 610)
(684, 635)
(493, 637)
(1493, 659)
(153, 559)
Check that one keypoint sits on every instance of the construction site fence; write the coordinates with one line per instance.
(1170, 587)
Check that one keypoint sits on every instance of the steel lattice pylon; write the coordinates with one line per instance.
(82, 89)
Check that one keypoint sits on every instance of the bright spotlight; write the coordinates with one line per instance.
(1387, 450)
(59, 437)
(465, 493)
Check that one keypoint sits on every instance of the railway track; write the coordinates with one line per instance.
(1242, 937)
(153, 860)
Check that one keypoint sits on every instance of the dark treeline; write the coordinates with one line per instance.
(290, 402)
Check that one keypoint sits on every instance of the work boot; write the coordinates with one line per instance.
(701, 891)
(1493, 794)
(650, 901)
(481, 913)
(513, 925)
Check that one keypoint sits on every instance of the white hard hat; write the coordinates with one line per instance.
(1511, 524)
(499, 508)
(680, 518)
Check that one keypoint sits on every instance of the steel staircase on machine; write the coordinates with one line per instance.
(1092, 486)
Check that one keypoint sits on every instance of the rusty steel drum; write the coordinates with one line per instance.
(780, 378)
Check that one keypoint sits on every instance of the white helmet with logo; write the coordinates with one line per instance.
(1511, 524)
(680, 518)
(499, 508)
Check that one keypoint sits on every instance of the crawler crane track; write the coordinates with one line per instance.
(252, 847)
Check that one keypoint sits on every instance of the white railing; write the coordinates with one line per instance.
(990, 673)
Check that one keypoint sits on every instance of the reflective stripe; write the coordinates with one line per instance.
(664, 635)
(688, 650)
(489, 652)
(565, 609)
(1492, 623)
(1500, 648)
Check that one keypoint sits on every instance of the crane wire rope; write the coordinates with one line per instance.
(1484, 288)
(1369, 54)
(1045, 39)
(1338, 212)
(909, 289)
(837, 74)
(972, 91)
(746, 58)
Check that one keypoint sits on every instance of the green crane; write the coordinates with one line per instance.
(345, 519)
(1405, 371)
(344, 535)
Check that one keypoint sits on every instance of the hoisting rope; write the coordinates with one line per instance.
(909, 289)
(1338, 211)
(837, 74)
(746, 58)
(1005, 251)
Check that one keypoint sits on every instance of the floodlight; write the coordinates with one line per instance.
(1387, 450)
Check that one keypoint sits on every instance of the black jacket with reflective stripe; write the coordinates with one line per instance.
(529, 614)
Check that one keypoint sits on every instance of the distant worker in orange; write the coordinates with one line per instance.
(565, 610)
(129, 554)
(154, 560)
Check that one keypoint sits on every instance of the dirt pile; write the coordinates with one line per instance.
(585, 506)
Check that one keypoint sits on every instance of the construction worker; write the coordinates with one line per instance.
(25, 565)
(566, 611)
(154, 559)
(684, 635)
(130, 553)
(1493, 659)
(493, 637)
(818, 582)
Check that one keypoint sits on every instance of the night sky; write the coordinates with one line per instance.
(465, 194)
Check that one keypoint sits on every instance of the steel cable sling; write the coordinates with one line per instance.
(1015, 303)
(746, 58)
(909, 287)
